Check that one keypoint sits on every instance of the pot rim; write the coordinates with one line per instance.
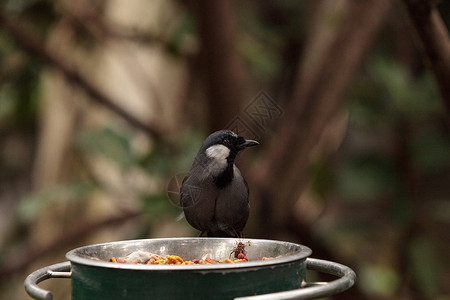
(303, 253)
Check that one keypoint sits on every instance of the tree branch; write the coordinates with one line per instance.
(31, 43)
(317, 97)
(435, 42)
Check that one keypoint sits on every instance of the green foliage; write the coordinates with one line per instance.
(7, 102)
(177, 39)
(399, 116)
(366, 177)
(388, 92)
(158, 206)
(425, 266)
(107, 143)
(265, 31)
(401, 209)
(19, 96)
(259, 59)
(379, 280)
(322, 177)
(167, 161)
(412, 97)
(32, 205)
(430, 149)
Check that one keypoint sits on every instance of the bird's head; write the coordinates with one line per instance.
(224, 145)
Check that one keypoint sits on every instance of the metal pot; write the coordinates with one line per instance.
(284, 277)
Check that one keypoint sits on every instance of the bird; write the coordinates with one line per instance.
(214, 194)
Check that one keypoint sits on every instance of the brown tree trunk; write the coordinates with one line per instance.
(221, 61)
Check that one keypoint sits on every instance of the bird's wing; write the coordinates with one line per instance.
(245, 181)
(180, 217)
(248, 190)
(183, 194)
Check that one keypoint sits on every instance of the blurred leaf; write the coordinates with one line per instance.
(368, 108)
(28, 94)
(439, 211)
(389, 91)
(259, 58)
(378, 280)
(33, 205)
(401, 210)
(405, 94)
(367, 113)
(156, 162)
(19, 5)
(159, 205)
(430, 149)
(7, 47)
(425, 266)
(321, 176)
(181, 35)
(19, 95)
(7, 101)
(181, 157)
(107, 143)
(260, 45)
(365, 178)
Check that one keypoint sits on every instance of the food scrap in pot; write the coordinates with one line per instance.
(153, 259)
(143, 257)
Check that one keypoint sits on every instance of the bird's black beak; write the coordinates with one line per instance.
(246, 143)
(250, 143)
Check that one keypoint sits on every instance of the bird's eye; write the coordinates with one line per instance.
(226, 142)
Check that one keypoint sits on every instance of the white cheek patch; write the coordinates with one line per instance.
(218, 152)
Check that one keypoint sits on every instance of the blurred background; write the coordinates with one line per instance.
(104, 104)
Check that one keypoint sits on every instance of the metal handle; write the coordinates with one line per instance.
(310, 290)
(61, 270)
(314, 290)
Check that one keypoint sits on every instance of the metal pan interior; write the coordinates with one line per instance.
(188, 249)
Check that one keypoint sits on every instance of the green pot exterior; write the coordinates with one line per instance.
(96, 283)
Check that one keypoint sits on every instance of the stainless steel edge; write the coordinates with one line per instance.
(74, 255)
